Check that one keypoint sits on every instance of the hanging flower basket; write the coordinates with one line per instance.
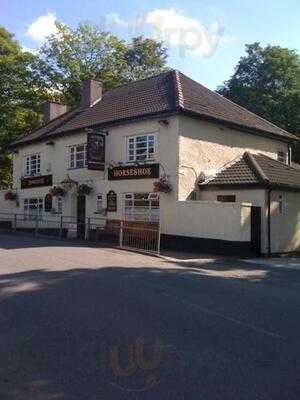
(57, 191)
(84, 189)
(10, 195)
(163, 185)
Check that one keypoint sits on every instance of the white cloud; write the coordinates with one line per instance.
(188, 34)
(115, 20)
(26, 49)
(42, 27)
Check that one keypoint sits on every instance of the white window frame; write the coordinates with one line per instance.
(59, 204)
(28, 203)
(132, 148)
(99, 201)
(74, 161)
(132, 212)
(282, 156)
(32, 164)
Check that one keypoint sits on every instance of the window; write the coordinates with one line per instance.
(281, 156)
(78, 156)
(99, 202)
(33, 164)
(141, 148)
(59, 205)
(33, 208)
(141, 207)
(226, 198)
(280, 204)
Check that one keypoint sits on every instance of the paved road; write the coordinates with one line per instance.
(86, 323)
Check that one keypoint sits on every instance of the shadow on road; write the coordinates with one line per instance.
(147, 333)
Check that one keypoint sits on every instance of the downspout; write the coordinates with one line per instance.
(289, 154)
(269, 222)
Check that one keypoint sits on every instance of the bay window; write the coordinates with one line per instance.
(141, 148)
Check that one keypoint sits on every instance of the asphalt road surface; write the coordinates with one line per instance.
(86, 323)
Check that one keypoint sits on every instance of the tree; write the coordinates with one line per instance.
(73, 55)
(57, 72)
(22, 89)
(267, 82)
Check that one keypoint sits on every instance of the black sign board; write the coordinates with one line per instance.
(95, 150)
(48, 202)
(111, 201)
(36, 181)
(134, 172)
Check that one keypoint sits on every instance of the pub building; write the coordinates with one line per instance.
(164, 150)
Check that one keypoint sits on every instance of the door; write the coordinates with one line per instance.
(256, 230)
(81, 217)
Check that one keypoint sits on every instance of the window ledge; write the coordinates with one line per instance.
(71, 169)
(31, 176)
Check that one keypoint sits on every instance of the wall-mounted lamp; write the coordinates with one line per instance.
(191, 168)
(68, 183)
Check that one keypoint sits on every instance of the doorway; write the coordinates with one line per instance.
(256, 230)
(81, 212)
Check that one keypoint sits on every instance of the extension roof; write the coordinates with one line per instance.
(256, 170)
(168, 93)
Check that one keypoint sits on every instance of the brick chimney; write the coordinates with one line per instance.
(53, 110)
(91, 92)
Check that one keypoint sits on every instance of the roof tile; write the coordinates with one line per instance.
(167, 92)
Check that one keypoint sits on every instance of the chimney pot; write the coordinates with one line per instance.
(53, 110)
(91, 92)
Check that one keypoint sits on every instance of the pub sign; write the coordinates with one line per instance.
(111, 201)
(95, 150)
(36, 181)
(134, 172)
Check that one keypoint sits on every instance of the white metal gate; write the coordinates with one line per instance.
(140, 235)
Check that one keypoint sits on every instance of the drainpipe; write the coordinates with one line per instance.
(289, 154)
(269, 222)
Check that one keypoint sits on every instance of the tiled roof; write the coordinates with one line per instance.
(256, 169)
(168, 92)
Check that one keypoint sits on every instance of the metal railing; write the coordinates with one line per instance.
(136, 235)
(140, 235)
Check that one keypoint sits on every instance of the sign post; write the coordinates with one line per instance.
(111, 201)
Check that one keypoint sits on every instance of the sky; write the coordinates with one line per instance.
(205, 38)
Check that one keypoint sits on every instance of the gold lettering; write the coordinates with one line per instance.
(115, 363)
(140, 357)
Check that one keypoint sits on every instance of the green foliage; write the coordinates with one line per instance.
(267, 82)
(76, 54)
(57, 72)
(21, 92)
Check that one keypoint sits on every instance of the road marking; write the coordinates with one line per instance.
(207, 311)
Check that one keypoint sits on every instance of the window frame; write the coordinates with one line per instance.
(28, 163)
(226, 198)
(75, 161)
(99, 210)
(149, 215)
(282, 156)
(59, 205)
(28, 216)
(133, 140)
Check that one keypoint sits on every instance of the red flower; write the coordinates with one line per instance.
(9, 195)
